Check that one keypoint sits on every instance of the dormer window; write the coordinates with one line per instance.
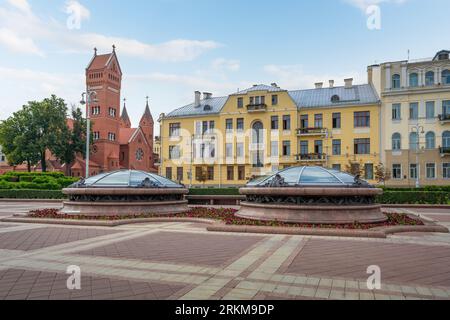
(207, 108)
(443, 56)
(335, 98)
(396, 81)
(413, 80)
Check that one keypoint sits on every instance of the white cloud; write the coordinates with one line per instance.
(225, 64)
(294, 77)
(25, 25)
(364, 4)
(74, 7)
(22, 5)
(18, 44)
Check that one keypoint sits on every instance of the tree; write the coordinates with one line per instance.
(16, 138)
(73, 141)
(355, 168)
(202, 175)
(382, 174)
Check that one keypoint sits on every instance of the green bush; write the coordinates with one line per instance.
(214, 192)
(414, 197)
(31, 194)
(35, 180)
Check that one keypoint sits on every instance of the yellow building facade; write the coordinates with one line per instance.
(226, 141)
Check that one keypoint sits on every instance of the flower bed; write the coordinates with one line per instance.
(227, 216)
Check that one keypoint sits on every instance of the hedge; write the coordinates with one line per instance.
(414, 197)
(31, 194)
(35, 180)
(214, 192)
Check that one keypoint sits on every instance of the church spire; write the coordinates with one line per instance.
(147, 118)
(125, 119)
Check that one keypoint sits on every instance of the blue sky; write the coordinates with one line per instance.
(170, 48)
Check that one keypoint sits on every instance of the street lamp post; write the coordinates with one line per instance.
(419, 130)
(87, 98)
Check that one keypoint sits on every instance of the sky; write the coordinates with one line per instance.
(170, 48)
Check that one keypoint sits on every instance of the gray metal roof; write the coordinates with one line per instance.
(357, 94)
(216, 104)
(260, 87)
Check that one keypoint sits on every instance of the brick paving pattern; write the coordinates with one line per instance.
(16, 284)
(45, 237)
(399, 262)
(209, 250)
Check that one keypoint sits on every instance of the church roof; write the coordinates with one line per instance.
(124, 115)
(99, 61)
(125, 134)
(147, 113)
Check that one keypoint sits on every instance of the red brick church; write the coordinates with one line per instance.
(116, 144)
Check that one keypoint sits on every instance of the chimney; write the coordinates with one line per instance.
(319, 85)
(331, 84)
(207, 95)
(197, 98)
(274, 85)
(348, 83)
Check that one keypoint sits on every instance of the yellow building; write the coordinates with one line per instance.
(415, 131)
(225, 141)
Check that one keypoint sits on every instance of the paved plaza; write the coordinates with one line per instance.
(184, 261)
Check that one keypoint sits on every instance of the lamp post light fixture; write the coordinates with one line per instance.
(419, 130)
(86, 99)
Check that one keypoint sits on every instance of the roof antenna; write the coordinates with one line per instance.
(408, 54)
(114, 47)
(95, 51)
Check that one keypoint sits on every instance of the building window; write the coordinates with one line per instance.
(337, 120)
(336, 167)
(169, 173)
(431, 171)
(96, 135)
(430, 139)
(229, 125)
(304, 147)
(239, 150)
(335, 99)
(111, 136)
(230, 173)
(397, 111)
(139, 154)
(446, 139)
(241, 173)
(368, 171)
(414, 111)
(318, 121)
(336, 147)
(274, 123)
(174, 152)
(198, 173)
(174, 129)
(286, 123)
(95, 111)
(180, 174)
(413, 80)
(413, 141)
(229, 150)
(240, 124)
(396, 142)
(446, 108)
(446, 77)
(274, 100)
(304, 121)
(396, 81)
(112, 112)
(429, 78)
(318, 147)
(446, 170)
(397, 171)
(240, 103)
(413, 171)
(210, 173)
(274, 150)
(430, 110)
(362, 146)
(286, 148)
(362, 119)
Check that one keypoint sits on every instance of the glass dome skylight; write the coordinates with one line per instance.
(129, 178)
(309, 176)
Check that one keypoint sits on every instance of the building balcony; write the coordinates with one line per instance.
(312, 157)
(254, 108)
(312, 132)
(445, 151)
(444, 118)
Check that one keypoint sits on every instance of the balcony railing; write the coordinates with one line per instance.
(261, 107)
(312, 132)
(312, 157)
(445, 151)
(444, 117)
